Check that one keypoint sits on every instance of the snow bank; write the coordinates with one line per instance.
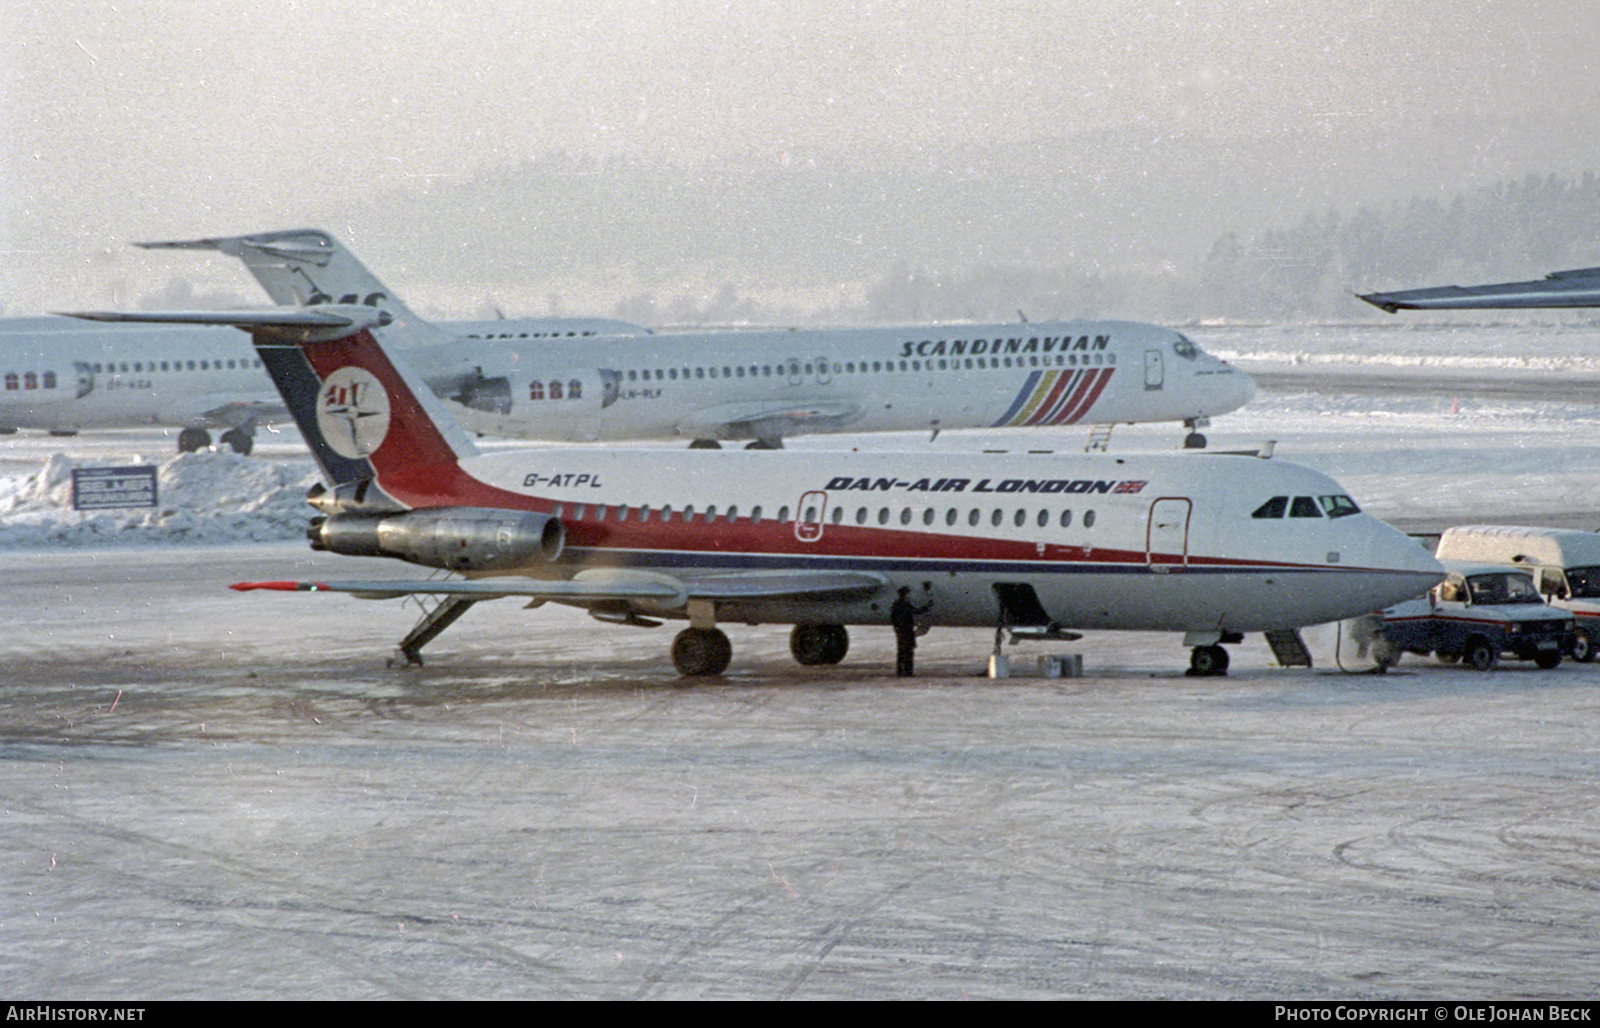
(203, 498)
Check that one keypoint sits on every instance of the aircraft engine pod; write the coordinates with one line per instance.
(454, 538)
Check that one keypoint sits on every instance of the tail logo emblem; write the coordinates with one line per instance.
(353, 412)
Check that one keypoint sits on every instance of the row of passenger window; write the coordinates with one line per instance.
(997, 517)
(148, 367)
(15, 380)
(1307, 507)
(811, 368)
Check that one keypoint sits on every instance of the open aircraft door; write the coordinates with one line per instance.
(1167, 534)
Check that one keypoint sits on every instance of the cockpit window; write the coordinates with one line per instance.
(1273, 508)
(1338, 506)
(1184, 347)
(1304, 507)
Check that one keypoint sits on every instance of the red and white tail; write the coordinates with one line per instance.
(369, 420)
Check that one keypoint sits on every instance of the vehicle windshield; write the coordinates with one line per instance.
(1501, 588)
(1584, 582)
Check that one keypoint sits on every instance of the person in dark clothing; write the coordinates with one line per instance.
(903, 616)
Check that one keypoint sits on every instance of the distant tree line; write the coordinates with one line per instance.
(1526, 228)
(1043, 229)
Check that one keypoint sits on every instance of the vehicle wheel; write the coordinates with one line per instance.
(701, 651)
(1582, 646)
(813, 645)
(1548, 659)
(1208, 661)
(192, 440)
(1480, 654)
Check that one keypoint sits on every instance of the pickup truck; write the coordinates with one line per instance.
(1477, 614)
(1565, 565)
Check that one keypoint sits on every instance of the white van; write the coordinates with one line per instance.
(1564, 563)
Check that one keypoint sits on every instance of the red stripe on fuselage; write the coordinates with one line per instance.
(1086, 397)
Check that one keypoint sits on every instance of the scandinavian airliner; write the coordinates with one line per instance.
(1207, 544)
(762, 386)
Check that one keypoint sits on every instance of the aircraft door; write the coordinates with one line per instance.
(808, 516)
(1167, 534)
(1155, 370)
(824, 371)
(796, 376)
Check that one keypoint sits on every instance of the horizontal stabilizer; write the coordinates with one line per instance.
(331, 321)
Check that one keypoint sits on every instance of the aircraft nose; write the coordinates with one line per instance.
(1243, 387)
(1408, 566)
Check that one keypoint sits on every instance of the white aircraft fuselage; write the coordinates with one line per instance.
(765, 385)
(1209, 545)
(58, 375)
(595, 380)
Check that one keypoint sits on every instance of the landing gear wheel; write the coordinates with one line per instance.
(1582, 647)
(819, 644)
(192, 440)
(1208, 661)
(1480, 654)
(762, 444)
(705, 444)
(701, 651)
(1385, 654)
(241, 441)
(1194, 441)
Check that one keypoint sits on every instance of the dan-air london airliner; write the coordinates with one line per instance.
(1207, 544)
(592, 380)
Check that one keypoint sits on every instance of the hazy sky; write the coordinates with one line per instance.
(165, 118)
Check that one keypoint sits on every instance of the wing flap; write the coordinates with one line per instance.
(814, 585)
(606, 586)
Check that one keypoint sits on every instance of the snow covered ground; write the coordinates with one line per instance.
(208, 794)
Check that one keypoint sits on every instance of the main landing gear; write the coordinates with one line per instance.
(193, 440)
(697, 652)
(1209, 659)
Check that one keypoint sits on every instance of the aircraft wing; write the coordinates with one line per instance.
(1578, 288)
(769, 418)
(236, 413)
(606, 586)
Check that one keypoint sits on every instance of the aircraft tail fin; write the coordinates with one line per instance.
(381, 437)
(302, 268)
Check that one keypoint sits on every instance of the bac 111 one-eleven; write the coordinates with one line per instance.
(1209, 545)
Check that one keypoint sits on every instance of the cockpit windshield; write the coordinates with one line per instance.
(1184, 347)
